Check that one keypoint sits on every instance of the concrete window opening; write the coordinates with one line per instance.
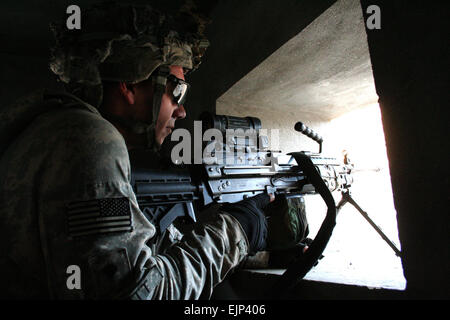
(323, 77)
(356, 253)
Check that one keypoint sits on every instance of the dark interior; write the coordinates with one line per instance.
(410, 62)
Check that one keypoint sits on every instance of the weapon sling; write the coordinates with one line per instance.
(300, 267)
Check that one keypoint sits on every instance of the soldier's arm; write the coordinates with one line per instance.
(90, 219)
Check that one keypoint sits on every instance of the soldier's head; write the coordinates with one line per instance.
(130, 61)
(130, 106)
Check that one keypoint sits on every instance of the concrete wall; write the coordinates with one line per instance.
(242, 36)
(410, 64)
(320, 74)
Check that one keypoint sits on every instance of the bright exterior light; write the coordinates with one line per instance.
(356, 254)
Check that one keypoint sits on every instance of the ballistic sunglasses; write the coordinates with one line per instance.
(180, 90)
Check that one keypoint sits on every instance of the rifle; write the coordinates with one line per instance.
(240, 166)
(246, 168)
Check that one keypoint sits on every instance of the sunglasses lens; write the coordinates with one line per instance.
(180, 92)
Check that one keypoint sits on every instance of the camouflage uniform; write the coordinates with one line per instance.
(59, 156)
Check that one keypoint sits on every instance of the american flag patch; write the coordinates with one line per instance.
(99, 216)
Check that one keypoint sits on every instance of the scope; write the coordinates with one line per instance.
(239, 134)
(222, 122)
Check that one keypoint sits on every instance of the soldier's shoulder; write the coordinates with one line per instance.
(83, 123)
(88, 143)
(77, 132)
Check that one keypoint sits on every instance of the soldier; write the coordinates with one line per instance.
(67, 206)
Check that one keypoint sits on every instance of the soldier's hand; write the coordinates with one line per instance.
(250, 214)
(261, 200)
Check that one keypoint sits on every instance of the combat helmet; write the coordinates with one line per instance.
(128, 43)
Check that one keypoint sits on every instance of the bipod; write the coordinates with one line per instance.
(347, 198)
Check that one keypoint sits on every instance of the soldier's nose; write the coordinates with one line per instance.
(179, 112)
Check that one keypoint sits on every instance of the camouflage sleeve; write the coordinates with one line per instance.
(191, 268)
(91, 225)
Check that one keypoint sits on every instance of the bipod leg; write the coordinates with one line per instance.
(343, 201)
(347, 198)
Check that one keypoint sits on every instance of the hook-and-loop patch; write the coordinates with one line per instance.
(99, 216)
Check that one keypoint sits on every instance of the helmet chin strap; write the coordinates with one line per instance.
(160, 81)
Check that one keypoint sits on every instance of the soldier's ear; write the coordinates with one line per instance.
(127, 91)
